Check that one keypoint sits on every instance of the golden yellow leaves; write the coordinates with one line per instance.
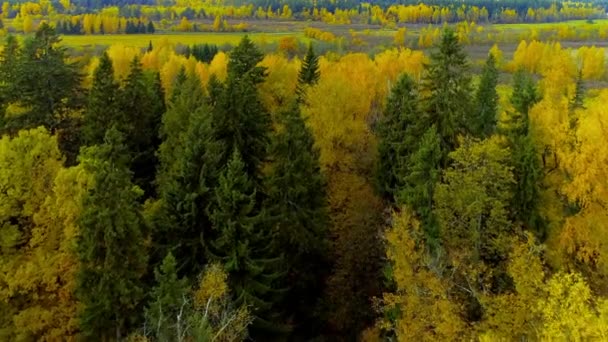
(212, 286)
(591, 62)
(422, 298)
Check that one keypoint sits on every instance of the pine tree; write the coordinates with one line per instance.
(168, 299)
(399, 133)
(244, 245)
(103, 108)
(448, 85)
(309, 72)
(150, 47)
(151, 28)
(240, 120)
(423, 175)
(298, 206)
(483, 123)
(111, 246)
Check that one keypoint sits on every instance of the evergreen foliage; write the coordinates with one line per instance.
(483, 123)
(399, 133)
(422, 178)
(240, 121)
(188, 171)
(103, 109)
(297, 205)
(309, 73)
(244, 245)
(527, 167)
(47, 86)
(168, 301)
(142, 107)
(448, 84)
(111, 246)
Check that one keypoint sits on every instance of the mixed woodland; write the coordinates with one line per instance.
(150, 196)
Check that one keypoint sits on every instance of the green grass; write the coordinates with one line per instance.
(142, 40)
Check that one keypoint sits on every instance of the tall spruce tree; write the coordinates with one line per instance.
(244, 245)
(525, 159)
(447, 83)
(186, 176)
(309, 72)
(399, 133)
(524, 96)
(483, 123)
(297, 205)
(424, 173)
(111, 246)
(240, 120)
(46, 84)
(168, 299)
(103, 109)
(141, 106)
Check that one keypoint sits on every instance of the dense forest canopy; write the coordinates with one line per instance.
(322, 187)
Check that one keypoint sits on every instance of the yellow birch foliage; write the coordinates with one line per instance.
(121, 57)
(422, 298)
(586, 165)
(37, 262)
(591, 61)
(278, 89)
(219, 66)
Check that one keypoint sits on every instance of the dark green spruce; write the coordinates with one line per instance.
(483, 123)
(297, 205)
(243, 244)
(111, 245)
(399, 134)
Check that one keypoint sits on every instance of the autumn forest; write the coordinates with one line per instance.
(428, 187)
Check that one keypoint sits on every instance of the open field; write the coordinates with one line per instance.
(142, 40)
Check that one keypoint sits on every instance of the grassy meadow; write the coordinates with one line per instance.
(142, 40)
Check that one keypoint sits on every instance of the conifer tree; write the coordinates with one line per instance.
(111, 246)
(448, 85)
(189, 160)
(141, 108)
(309, 72)
(483, 123)
(524, 96)
(527, 168)
(243, 243)
(298, 206)
(47, 85)
(424, 173)
(577, 100)
(9, 59)
(240, 120)
(398, 134)
(103, 109)
(168, 298)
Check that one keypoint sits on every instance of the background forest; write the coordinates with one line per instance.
(153, 195)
